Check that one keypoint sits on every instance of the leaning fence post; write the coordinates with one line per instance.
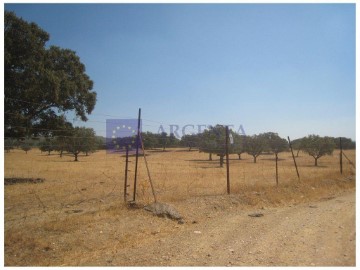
(292, 152)
(352, 164)
(147, 168)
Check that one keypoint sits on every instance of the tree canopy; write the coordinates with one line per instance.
(274, 142)
(255, 145)
(213, 141)
(317, 146)
(81, 140)
(163, 140)
(41, 83)
(190, 141)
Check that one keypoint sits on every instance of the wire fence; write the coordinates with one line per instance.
(50, 186)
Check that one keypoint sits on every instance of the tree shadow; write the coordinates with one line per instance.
(157, 150)
(202, 160)
(273, 159)
(211, 167)
(13, 181)
(313, 166)
(187, 150)
(134, 155)
(47, 155)
(65, 157)
(266, 154)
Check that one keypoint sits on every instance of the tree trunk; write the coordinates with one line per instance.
(76, 156)
(210, 156)
(189, 148)
(49, 153)
(61, 153)
(239, 156)
(316, 161)
(221, 161)
(87, 153)
(297, 154)
(254, 159)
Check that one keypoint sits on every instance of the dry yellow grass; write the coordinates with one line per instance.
(77, 198)
(177, 174)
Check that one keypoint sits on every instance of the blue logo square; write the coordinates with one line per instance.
(122, 134)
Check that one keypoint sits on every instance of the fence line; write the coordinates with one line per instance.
(72, 193)
(98, 181)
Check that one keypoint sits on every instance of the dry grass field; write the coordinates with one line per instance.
(77, 215)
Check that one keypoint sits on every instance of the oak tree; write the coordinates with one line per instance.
(254, 146)
(81, 140)
(317, 146)
(41, 83)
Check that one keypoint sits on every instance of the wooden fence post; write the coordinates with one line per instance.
(341, 156)
(227, 159)
(126, 172)
(137, 153)
(276, 164)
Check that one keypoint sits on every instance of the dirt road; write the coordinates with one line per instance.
(315, 234)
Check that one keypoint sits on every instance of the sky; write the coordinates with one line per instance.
(285, 68)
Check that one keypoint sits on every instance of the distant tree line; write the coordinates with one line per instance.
(162, 140)
(212, 141)
(76, 140)
(71, 141)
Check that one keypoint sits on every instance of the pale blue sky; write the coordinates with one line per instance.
(286, 68)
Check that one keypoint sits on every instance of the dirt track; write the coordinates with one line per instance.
(315, 234)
